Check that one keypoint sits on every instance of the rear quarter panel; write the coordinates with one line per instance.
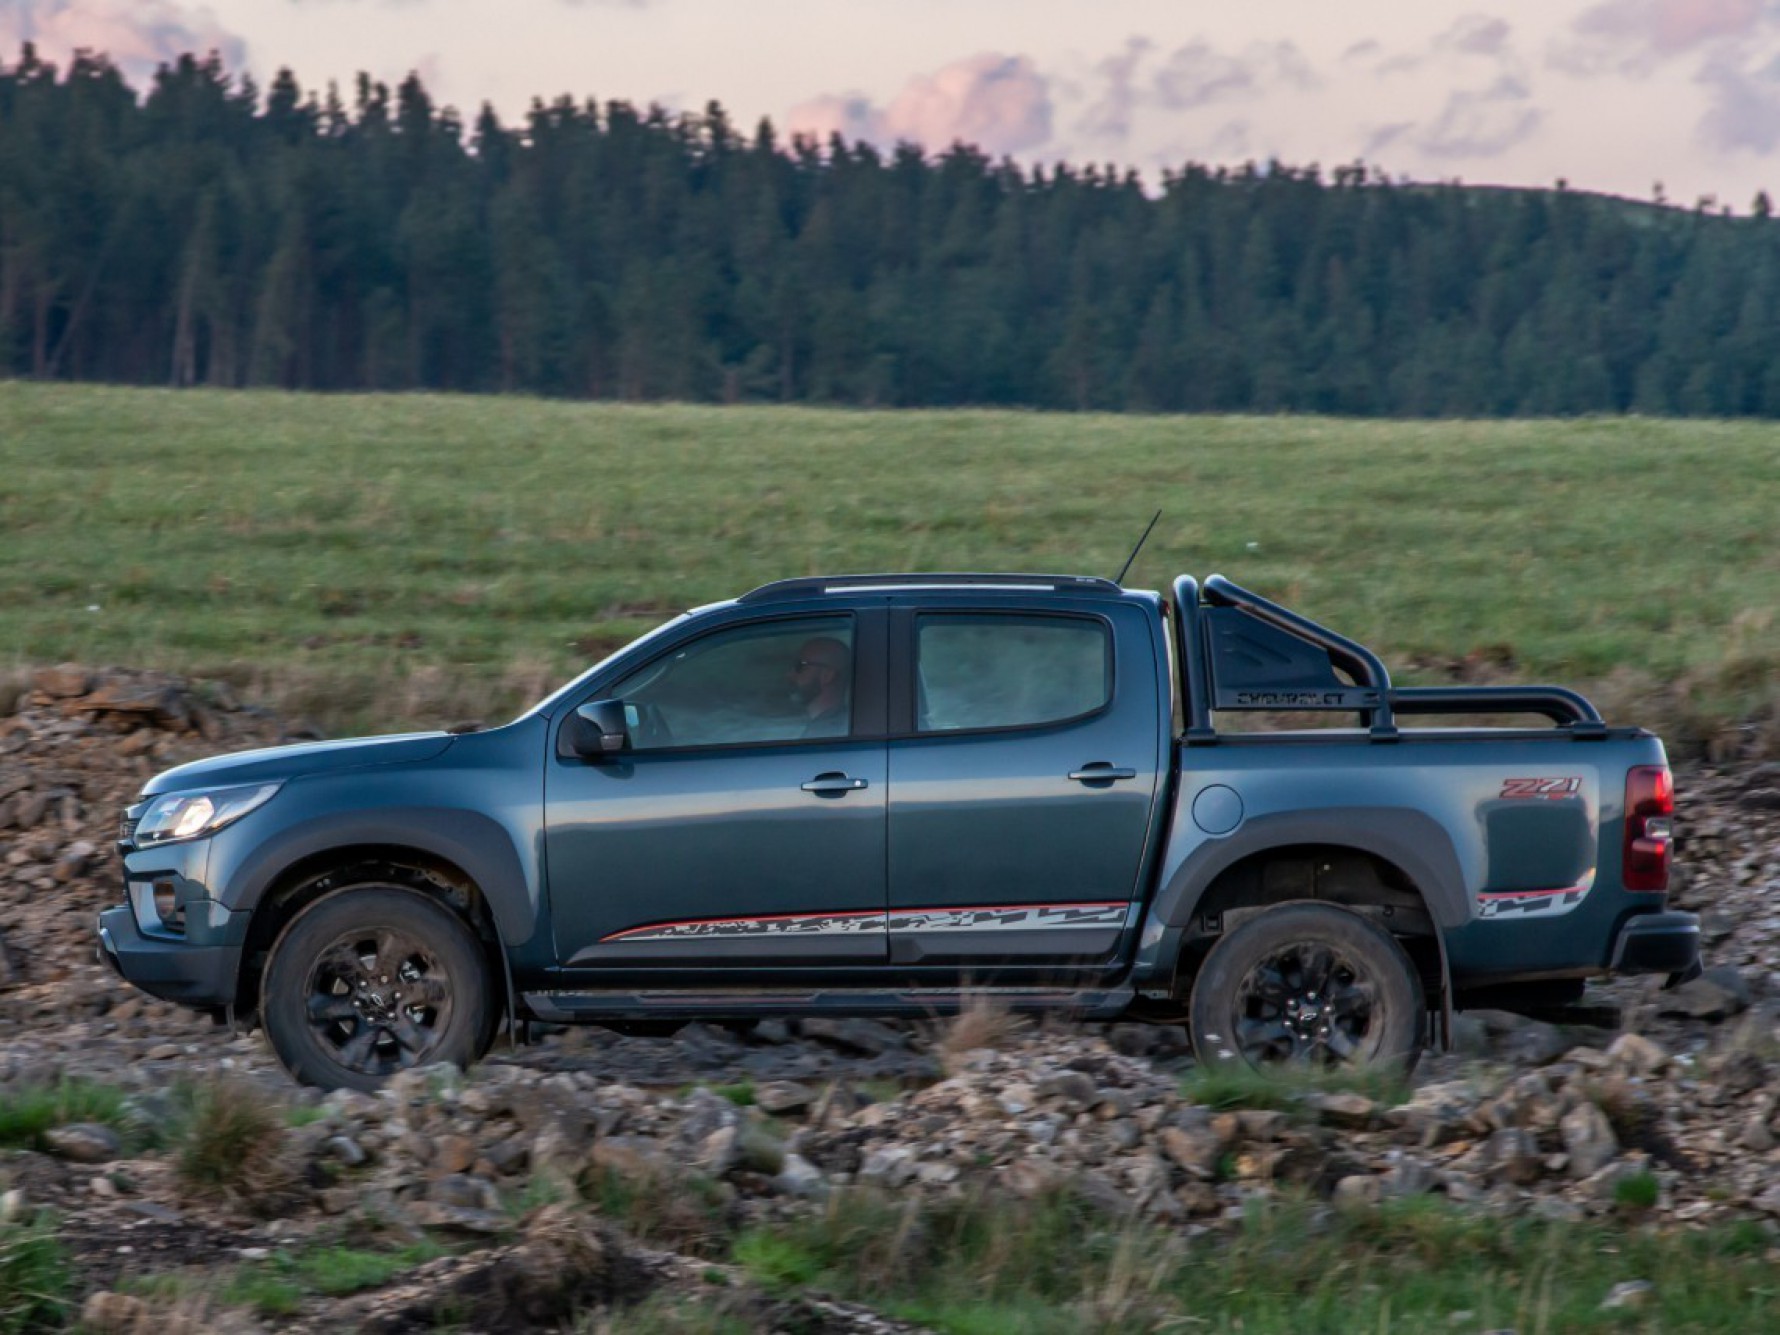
(1513, 837)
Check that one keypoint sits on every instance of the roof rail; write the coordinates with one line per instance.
(782, 589)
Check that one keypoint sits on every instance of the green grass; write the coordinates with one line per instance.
(1226, 1085)
(278, 1285)
(27, 1111)
(975, 1267)
(34, 1276)
(383, 560)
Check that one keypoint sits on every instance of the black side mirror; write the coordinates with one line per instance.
(600, 730)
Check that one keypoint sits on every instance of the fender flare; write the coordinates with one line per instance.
(468, 840)
(1409, 840)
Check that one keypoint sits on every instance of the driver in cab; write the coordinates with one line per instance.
(818, 680)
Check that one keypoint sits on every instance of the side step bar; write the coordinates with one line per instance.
(759, 1003)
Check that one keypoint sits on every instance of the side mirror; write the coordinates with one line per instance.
(601, 730)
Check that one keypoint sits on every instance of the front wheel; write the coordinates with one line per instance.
(1307, 984)
(372, 980)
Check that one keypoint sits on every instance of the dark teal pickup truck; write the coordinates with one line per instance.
(885, 795)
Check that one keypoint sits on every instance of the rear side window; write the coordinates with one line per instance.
(991, 671)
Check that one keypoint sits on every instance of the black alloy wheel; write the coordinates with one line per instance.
(1307, 984)
(373, 980)
(379, 1001)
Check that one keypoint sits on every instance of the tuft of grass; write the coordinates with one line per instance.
(27, 1111)
(741, 1093)
(982, 1022)
(263, 1289)
(669, 1314)
(35, 1281)
(1637, 1191)
(1228, 1085)
(230, 1141)
(300, 1115)
(685, 1212)
(336, 1271)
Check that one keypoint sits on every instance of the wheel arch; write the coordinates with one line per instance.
(1398, 865)
(322, 873)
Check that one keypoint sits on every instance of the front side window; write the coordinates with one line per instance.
(987, 671)
(769, 682)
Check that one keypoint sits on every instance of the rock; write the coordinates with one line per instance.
(83, 1142)
(1196, 1151)
(634, 1158)
(1630, 1295)
(1514, 1156)
(1761, 799)
(347, 1150)
(783, 1096)
(1637, 1055)
(1768, 1202)
(1588, 1140)
(107, 1313)
(889, 1166)
(454, 1154)
(866, 1036)
(1358, 1189)
(1074, 1089)
(1717, 994)
(63, 681)
(12, 1205)
(459, 1219)
(1344, 1109)
(1016, 1098)
(759, 1151)
(464, 1192)
(799, 1177)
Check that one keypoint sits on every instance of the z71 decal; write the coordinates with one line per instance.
(1549, 789)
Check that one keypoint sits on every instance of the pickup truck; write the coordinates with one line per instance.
(889, 795)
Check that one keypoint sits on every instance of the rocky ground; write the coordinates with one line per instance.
(1675, 1114)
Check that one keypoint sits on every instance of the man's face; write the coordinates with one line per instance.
(808, 676)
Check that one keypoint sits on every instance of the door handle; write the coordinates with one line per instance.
(834, 783)
(1101, 772)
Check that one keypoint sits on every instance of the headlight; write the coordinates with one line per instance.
(174, 816)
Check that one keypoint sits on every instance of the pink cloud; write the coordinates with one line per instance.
(1001, 104)
(138, 35)
(1636, 32)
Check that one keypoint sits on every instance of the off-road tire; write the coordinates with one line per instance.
(374, 979)
(1259, 998)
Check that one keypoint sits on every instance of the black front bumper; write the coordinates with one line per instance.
(192, 975)
(1663, 942)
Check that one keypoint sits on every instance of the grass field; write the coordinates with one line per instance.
(387, 560)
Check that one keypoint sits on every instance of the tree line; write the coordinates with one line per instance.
(211, 232)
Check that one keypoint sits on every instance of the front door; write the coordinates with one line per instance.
(745, 826)
(1021, 800)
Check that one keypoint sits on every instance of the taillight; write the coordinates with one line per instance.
(1649, 808)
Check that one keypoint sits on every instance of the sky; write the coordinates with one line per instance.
(1629, 97)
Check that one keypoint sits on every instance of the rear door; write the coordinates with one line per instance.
(1024, 768)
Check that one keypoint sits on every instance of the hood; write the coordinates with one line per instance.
(289, 762)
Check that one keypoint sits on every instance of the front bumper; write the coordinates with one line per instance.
(193, 975)
(1662, 942)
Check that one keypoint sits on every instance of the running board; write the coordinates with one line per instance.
(760, 1003)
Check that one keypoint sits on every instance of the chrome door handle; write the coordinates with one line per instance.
(834, 783)
(1100, 772)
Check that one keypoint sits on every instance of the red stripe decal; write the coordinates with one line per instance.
(1529, 894)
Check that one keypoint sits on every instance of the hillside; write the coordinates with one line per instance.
(381, 560)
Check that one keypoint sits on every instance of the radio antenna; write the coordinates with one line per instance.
(1135, 550)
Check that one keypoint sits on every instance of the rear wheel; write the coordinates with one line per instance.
(1307, 984)
(372, 980)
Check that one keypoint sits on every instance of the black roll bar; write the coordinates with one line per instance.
(1561, 705)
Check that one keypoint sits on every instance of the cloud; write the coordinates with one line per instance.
(1198, 74)
(1633, 36)
(1480, 123)
(1475, 35)
(999, 103)
(1744, 115)
(1111, 114)
(138, 35)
